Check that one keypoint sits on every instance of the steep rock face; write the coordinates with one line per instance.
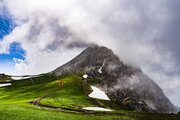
(123, 83)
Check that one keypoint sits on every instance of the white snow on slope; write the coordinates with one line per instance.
(99, 94)
(17, 78)
(96, 109)
(6, 84)
(100, 69)
(85, 76)
(22, 78)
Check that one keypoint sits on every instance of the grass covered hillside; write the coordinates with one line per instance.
(61, 98)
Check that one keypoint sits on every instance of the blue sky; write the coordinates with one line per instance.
(15, 51)
(6, 24)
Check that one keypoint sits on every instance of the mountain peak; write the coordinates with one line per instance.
(123, 83)
(93, 56)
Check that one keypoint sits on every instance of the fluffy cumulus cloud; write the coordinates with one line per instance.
(54, 31)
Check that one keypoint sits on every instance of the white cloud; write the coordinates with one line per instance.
(1, 7)
(7, 67)
(131, 28)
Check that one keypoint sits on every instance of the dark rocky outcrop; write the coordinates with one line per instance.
(123, 83)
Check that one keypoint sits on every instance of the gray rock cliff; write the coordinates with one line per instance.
(123, 83)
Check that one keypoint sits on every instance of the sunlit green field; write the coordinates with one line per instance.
(63, 99)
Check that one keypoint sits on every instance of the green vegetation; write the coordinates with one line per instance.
(4, 78)
(61, 98)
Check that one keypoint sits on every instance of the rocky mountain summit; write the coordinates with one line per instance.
(123, 83)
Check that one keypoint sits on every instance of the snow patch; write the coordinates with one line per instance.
(6, 84)
(140, 102)
(17, 78)
(96, 109)
(99, 94)
(85, 76)
(100, 69)
(22, 78)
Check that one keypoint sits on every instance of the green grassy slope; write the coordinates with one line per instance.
(60, 98)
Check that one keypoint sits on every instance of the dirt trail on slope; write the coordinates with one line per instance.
(37, 102)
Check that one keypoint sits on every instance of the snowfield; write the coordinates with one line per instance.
(96, 109)
(22, 78)
(19, 78)
(99, 94)
(6, 84)
(100, 69)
